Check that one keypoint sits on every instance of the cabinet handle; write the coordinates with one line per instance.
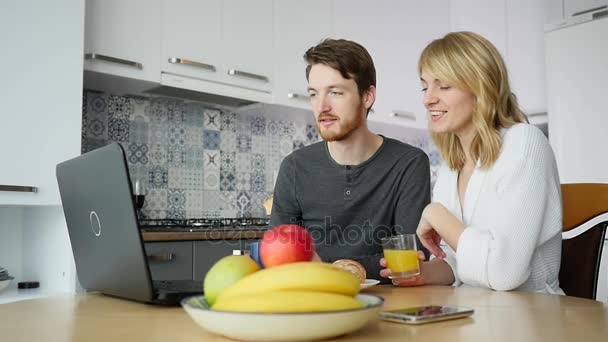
(234, 72)
(18, 188)
(163, 257)
(298, 96)
(183, 61)
(403, 114)
(96, 56)
(589, 11)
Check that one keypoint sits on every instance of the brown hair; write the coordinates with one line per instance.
(470, 62)
(351, 59)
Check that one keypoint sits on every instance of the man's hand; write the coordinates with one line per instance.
(417, 280)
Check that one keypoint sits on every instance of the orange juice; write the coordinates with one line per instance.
(402, 263)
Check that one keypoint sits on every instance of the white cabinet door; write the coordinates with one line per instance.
(578, 7)
(122, 38)
(293, 35)
(486, 17)
(41, 95)
(554, 11)
(526, 54)
(247, 43)
(394, 32)
(190, 38)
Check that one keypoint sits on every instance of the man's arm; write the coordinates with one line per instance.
(285, 206)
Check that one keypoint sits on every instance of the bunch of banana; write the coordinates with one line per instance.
(293, 287)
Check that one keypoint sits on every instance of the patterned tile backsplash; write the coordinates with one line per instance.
(199, 160)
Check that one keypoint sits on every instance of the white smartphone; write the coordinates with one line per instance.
(425, 314)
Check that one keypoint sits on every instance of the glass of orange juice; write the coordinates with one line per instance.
(401, 255)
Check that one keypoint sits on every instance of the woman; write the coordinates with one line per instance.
(496, 216)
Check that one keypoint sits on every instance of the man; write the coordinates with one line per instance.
(355, 187)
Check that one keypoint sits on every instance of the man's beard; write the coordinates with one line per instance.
(346, 128)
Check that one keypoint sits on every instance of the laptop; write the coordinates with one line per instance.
(102, 224)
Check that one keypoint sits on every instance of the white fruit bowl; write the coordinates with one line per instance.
(282, 326)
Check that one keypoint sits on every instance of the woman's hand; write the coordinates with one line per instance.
(429, 237)
(417, 280)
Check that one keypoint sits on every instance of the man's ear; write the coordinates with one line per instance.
(369, 97)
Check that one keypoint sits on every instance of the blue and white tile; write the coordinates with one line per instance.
(118, 130)
(119, 107)
(211, 179)
(158, 177)
(287, 128)
(273, 128)
(258, 182)
(180, 178)
(137, 153)
(194, 136)
(285, 146)
(270, 180)
(156, 199)
(176, 214)
(194, 114)
(176, 134)
(243, 181)
(260, 144)
(139, 130)
(258, 162)
(96, 127)
(194, 157)
(156, 110)
(243, 162)
(298, 144)
(159, 134)
(176, 156)
(243, 123)
(211, 140)
(175, 110)
(194, 204)
(243, 142)
(154, 214)
(90, 144)
(228, 161)
(228, 143)
(227, 181)
(312, 134)
(258, 125)
(243, 204)
(176, 199)
(212, 119)
(97, 103)
(228, 206)
(229, 121)
(212, 201)
(158, 154)
(257, 203)
(434, 158)
(212, 159)
(299, 132)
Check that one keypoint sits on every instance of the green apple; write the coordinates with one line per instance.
(225, 272)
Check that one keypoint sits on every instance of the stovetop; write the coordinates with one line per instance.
(203, 224)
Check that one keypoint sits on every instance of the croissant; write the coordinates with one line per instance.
(352, 266)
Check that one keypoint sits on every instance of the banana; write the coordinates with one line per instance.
(297, 276)
(287, 301)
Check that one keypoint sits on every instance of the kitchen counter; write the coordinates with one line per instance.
(185, 235)
(499, 316)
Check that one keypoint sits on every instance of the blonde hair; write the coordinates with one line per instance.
(470, 62)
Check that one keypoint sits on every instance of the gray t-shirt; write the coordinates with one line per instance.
(349, 208)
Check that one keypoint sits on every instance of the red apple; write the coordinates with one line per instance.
(284, 244)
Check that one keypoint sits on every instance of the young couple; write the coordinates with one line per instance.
(495, 217)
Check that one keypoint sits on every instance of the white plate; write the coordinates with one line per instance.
(282, 326)
(368, 283)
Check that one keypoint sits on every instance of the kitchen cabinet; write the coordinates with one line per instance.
(190, 35)
(394, 33)
(170, 260)
(293, 35)
(41, 96)
(573, 8)
(122, 38)
(218, 47)
(554, 12)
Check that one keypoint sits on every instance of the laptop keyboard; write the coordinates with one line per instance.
(179, 285)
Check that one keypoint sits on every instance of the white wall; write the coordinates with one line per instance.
(11, 240)
(47, 252)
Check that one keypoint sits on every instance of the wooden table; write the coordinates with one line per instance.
(499, 316)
